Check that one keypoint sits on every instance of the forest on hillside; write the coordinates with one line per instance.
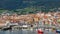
(28, 6)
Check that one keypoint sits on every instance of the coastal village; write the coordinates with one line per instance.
(50, 18)
(29, 16)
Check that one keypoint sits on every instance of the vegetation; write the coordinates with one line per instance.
(28, 7)
(29, 10)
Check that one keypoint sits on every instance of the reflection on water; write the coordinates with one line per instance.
(18, 32)
(24, 32)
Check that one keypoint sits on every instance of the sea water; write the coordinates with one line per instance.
(24, 31)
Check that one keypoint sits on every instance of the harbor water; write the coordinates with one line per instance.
(18, 32)
(24, 31)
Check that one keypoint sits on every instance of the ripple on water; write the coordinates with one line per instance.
(17, 32)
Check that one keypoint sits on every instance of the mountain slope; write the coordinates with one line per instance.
(15, 4)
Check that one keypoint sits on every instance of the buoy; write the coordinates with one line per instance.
(40, 32)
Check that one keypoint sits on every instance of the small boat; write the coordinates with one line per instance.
(6, 29)
(40, 31)
(57, 31)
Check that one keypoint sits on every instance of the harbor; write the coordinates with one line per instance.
(30, 23)
(29, 16)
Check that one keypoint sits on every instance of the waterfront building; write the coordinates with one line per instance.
(46, 18)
